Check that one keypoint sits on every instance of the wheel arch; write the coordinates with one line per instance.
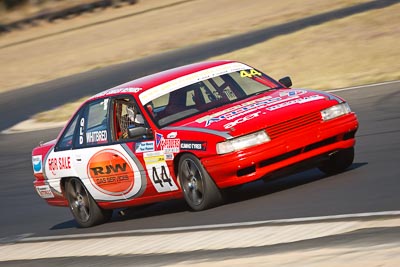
(63, 182)
(177, 158)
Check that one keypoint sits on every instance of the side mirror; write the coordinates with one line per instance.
(140, 131)
(286, 81)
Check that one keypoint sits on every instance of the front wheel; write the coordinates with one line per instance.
(83, 207)
(199, 189)
(338, 162)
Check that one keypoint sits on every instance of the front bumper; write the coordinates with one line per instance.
(286, 151)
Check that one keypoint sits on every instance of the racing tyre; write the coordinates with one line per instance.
(198, 188)
(338, 162)
(83, 207)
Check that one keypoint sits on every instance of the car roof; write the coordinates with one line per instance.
(150, 81)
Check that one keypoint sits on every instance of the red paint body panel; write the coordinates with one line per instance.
(254, 156)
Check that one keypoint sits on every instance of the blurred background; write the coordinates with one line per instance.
(320, 44)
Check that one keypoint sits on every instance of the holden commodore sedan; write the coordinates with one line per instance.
(189, 132)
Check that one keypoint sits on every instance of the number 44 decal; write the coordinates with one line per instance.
(158, 171)
(250, 74)
(164, 176)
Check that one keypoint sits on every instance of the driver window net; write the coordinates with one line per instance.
(126, 117)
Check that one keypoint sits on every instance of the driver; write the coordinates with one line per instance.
(134, 117)
(128, 117)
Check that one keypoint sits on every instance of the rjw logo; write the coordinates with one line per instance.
(109, 169)
(110, 172)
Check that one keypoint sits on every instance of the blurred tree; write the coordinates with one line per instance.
(36, 2)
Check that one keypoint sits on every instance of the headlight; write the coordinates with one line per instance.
(243, 142)
(335, 111)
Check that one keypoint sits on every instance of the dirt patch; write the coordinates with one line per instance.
(356, 50)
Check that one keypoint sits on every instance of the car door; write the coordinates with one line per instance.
(109, 170)
(127, 115)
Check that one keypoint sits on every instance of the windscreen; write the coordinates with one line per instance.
(211, 93)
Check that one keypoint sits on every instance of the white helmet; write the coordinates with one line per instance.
(136, 118)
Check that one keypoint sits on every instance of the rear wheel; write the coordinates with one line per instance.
(83, 207)
(199, 189)
(338, 162)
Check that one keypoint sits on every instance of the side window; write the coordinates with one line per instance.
(93, 125)
(67, 138)
(126, 115)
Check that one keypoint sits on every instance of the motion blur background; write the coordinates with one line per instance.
(320, 44)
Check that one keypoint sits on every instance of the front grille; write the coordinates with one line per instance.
(322, 143)
(288, 155)
(295, 124)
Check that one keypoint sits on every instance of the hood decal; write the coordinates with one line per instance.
(269, 103)
(301, 100)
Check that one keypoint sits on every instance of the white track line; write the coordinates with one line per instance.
(363, 86)
(319, 219)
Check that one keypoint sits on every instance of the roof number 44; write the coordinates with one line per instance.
(249, 74)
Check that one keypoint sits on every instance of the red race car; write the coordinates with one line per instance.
(189, 132)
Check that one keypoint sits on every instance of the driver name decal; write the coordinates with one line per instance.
(96, 136)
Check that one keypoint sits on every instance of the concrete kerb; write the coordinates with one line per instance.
(207, 238)
(376, 216)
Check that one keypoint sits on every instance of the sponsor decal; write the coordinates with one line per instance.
(296, 101)
(96, 136)
(170, 145)
(193, 145)
(158, 171)
(172, 135)
(44, 191)
(37, 164)
(169, 156)
(110, 172)
(81, 130)
(240, 110)
(59, 164)
(241, 120)
(291, 93)
(118, 91)
(167, 145)
(158, 139)
(144, 147)
(267, 103)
